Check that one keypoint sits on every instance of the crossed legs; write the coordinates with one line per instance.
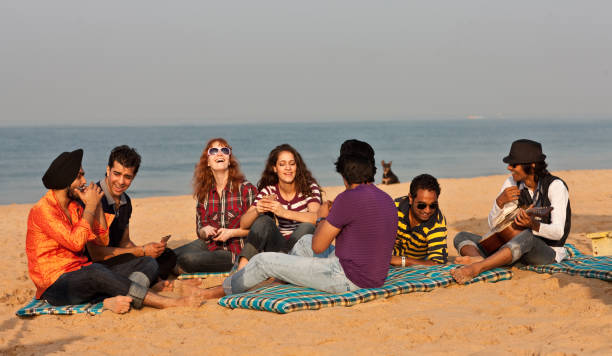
(525, 247)
(120, 286)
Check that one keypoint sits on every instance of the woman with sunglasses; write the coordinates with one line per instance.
(223, 195)
(289, 195)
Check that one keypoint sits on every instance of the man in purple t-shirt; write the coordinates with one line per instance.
(362, 220)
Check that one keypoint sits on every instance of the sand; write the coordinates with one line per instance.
(530, 314)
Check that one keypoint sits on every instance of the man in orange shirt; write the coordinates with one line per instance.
(59, 226)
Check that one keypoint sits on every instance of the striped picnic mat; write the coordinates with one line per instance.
(578, 264)
(41, 307)
(289, 298)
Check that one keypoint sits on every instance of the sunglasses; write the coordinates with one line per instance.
(422, 206)
(214, 150)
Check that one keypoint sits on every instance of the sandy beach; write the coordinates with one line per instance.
(530, 314)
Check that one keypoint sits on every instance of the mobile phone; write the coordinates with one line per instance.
(166, 238)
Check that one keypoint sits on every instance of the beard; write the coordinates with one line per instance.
(71, 194)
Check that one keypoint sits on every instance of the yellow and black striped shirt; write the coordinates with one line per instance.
(426, 241)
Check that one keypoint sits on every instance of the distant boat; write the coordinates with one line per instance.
(475, 117)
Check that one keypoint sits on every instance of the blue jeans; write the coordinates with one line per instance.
(526, 248)
(95, 282)
(301, 267)
(195, 257)
(166, 262)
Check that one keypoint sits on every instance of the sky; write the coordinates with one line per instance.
(147, 62)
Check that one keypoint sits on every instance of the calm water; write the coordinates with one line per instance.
(460, 148)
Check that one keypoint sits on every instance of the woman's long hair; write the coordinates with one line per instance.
(303, 177)
(203, 178)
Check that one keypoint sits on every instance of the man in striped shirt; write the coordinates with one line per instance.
(421, 228)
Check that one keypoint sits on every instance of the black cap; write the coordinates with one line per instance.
(525, 151)
(63, 170)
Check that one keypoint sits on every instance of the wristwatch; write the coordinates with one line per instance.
(319, 220)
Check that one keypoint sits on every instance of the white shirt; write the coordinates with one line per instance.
(558, 197)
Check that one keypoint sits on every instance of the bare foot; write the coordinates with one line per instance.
(162, 286)
(196, 282)
(190, 301)
(169, 286)
(464, 274)
(119, 304)
(187, 287)
(212, 293)
(468, 260)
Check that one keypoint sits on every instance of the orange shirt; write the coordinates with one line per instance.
(54, 244)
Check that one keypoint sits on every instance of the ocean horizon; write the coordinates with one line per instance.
(443, 148)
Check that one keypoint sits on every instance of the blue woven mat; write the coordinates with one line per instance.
(41, 307)
(578, 264)
(289, 298)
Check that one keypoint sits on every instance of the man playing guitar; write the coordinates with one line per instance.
(540, 241)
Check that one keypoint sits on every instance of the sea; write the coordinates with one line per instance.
(445, 149)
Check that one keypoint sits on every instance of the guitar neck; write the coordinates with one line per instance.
(539, 211)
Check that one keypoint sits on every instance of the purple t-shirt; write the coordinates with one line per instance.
(367, 217)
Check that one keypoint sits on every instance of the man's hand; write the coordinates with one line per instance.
(526, 221)
(91, 195)
(324, 209)
(154, 249)
(224, 234)
(509, 194)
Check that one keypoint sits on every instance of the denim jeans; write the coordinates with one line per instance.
(166, 262)
(526, 248)
(301, 267)
(92, 283)
(264, 236)
(195, 257)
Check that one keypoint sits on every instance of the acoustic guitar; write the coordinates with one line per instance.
(507, 229)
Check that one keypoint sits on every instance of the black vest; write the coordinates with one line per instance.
(120, 221)
(542, 200)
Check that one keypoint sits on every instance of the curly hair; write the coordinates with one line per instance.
(203, 178)
(303, 177)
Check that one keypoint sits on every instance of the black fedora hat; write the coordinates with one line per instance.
(63, 170)
(525, 151)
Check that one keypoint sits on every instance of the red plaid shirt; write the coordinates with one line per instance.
(224, 212)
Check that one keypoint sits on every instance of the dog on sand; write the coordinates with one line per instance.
(388, 176)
